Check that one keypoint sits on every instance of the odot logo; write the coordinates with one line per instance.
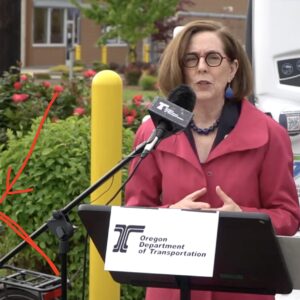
(163, 106)
(125, 230)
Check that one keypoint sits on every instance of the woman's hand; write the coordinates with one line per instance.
(191, 201)
(229, 204)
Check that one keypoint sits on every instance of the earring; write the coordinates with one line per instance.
(229, 92)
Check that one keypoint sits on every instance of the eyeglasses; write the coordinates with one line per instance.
(212, 59)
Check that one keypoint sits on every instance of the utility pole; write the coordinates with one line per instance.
(10, 28)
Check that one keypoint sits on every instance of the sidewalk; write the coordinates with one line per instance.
(33, 71)
(42, 73)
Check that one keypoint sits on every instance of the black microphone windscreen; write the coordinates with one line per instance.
(170, 116)
(183, 96)
(175, 112)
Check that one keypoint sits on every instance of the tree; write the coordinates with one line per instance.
(130, 20)
(164, 30)
(164, 27)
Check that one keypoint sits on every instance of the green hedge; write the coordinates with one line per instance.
(58, 171)
(148, 82)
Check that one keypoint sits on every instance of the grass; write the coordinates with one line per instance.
(130, 92)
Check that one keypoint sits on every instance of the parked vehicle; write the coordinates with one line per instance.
(273, 45)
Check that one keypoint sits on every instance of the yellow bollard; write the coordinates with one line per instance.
(106, 152)
(77, 52)
(104, 55)
(146, 53)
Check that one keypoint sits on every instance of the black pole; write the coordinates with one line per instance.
(76, 201)
(60, 226)
(64, 272)
(185, 290)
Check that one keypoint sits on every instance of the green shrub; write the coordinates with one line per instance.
(148, 82)
(98, 66)
(130, 292)
(128, 136)
(79, 63)
(133, 73)
(58, 171)
(59, 69)
(64, 69)
(42, 76)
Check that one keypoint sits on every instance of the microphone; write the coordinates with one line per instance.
(170, 115)
(290, 120)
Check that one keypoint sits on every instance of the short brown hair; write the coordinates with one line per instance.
(170, 72)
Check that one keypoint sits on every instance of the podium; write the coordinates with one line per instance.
(248, 257)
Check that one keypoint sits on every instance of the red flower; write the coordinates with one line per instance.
(126, 111)
(17, 85)
(79, 111)
(23, 77)
(133, 113)
(46, 84)
(138, 97)
(19, 97)
(137, 100)
(58, 88)
(89, 73)
(129, 119)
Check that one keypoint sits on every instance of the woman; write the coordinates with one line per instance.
(232, 158)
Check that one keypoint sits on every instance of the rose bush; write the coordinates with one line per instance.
(22, 99)
(134, 111)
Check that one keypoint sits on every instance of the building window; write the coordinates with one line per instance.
(73, 16)
(117, 41)
(57, 26)
(40, 26)
(49, 25)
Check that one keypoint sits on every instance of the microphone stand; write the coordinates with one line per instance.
(60, 226)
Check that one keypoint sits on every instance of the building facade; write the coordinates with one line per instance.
(52, 29)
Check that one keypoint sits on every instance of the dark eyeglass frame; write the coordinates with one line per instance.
(195, 55)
